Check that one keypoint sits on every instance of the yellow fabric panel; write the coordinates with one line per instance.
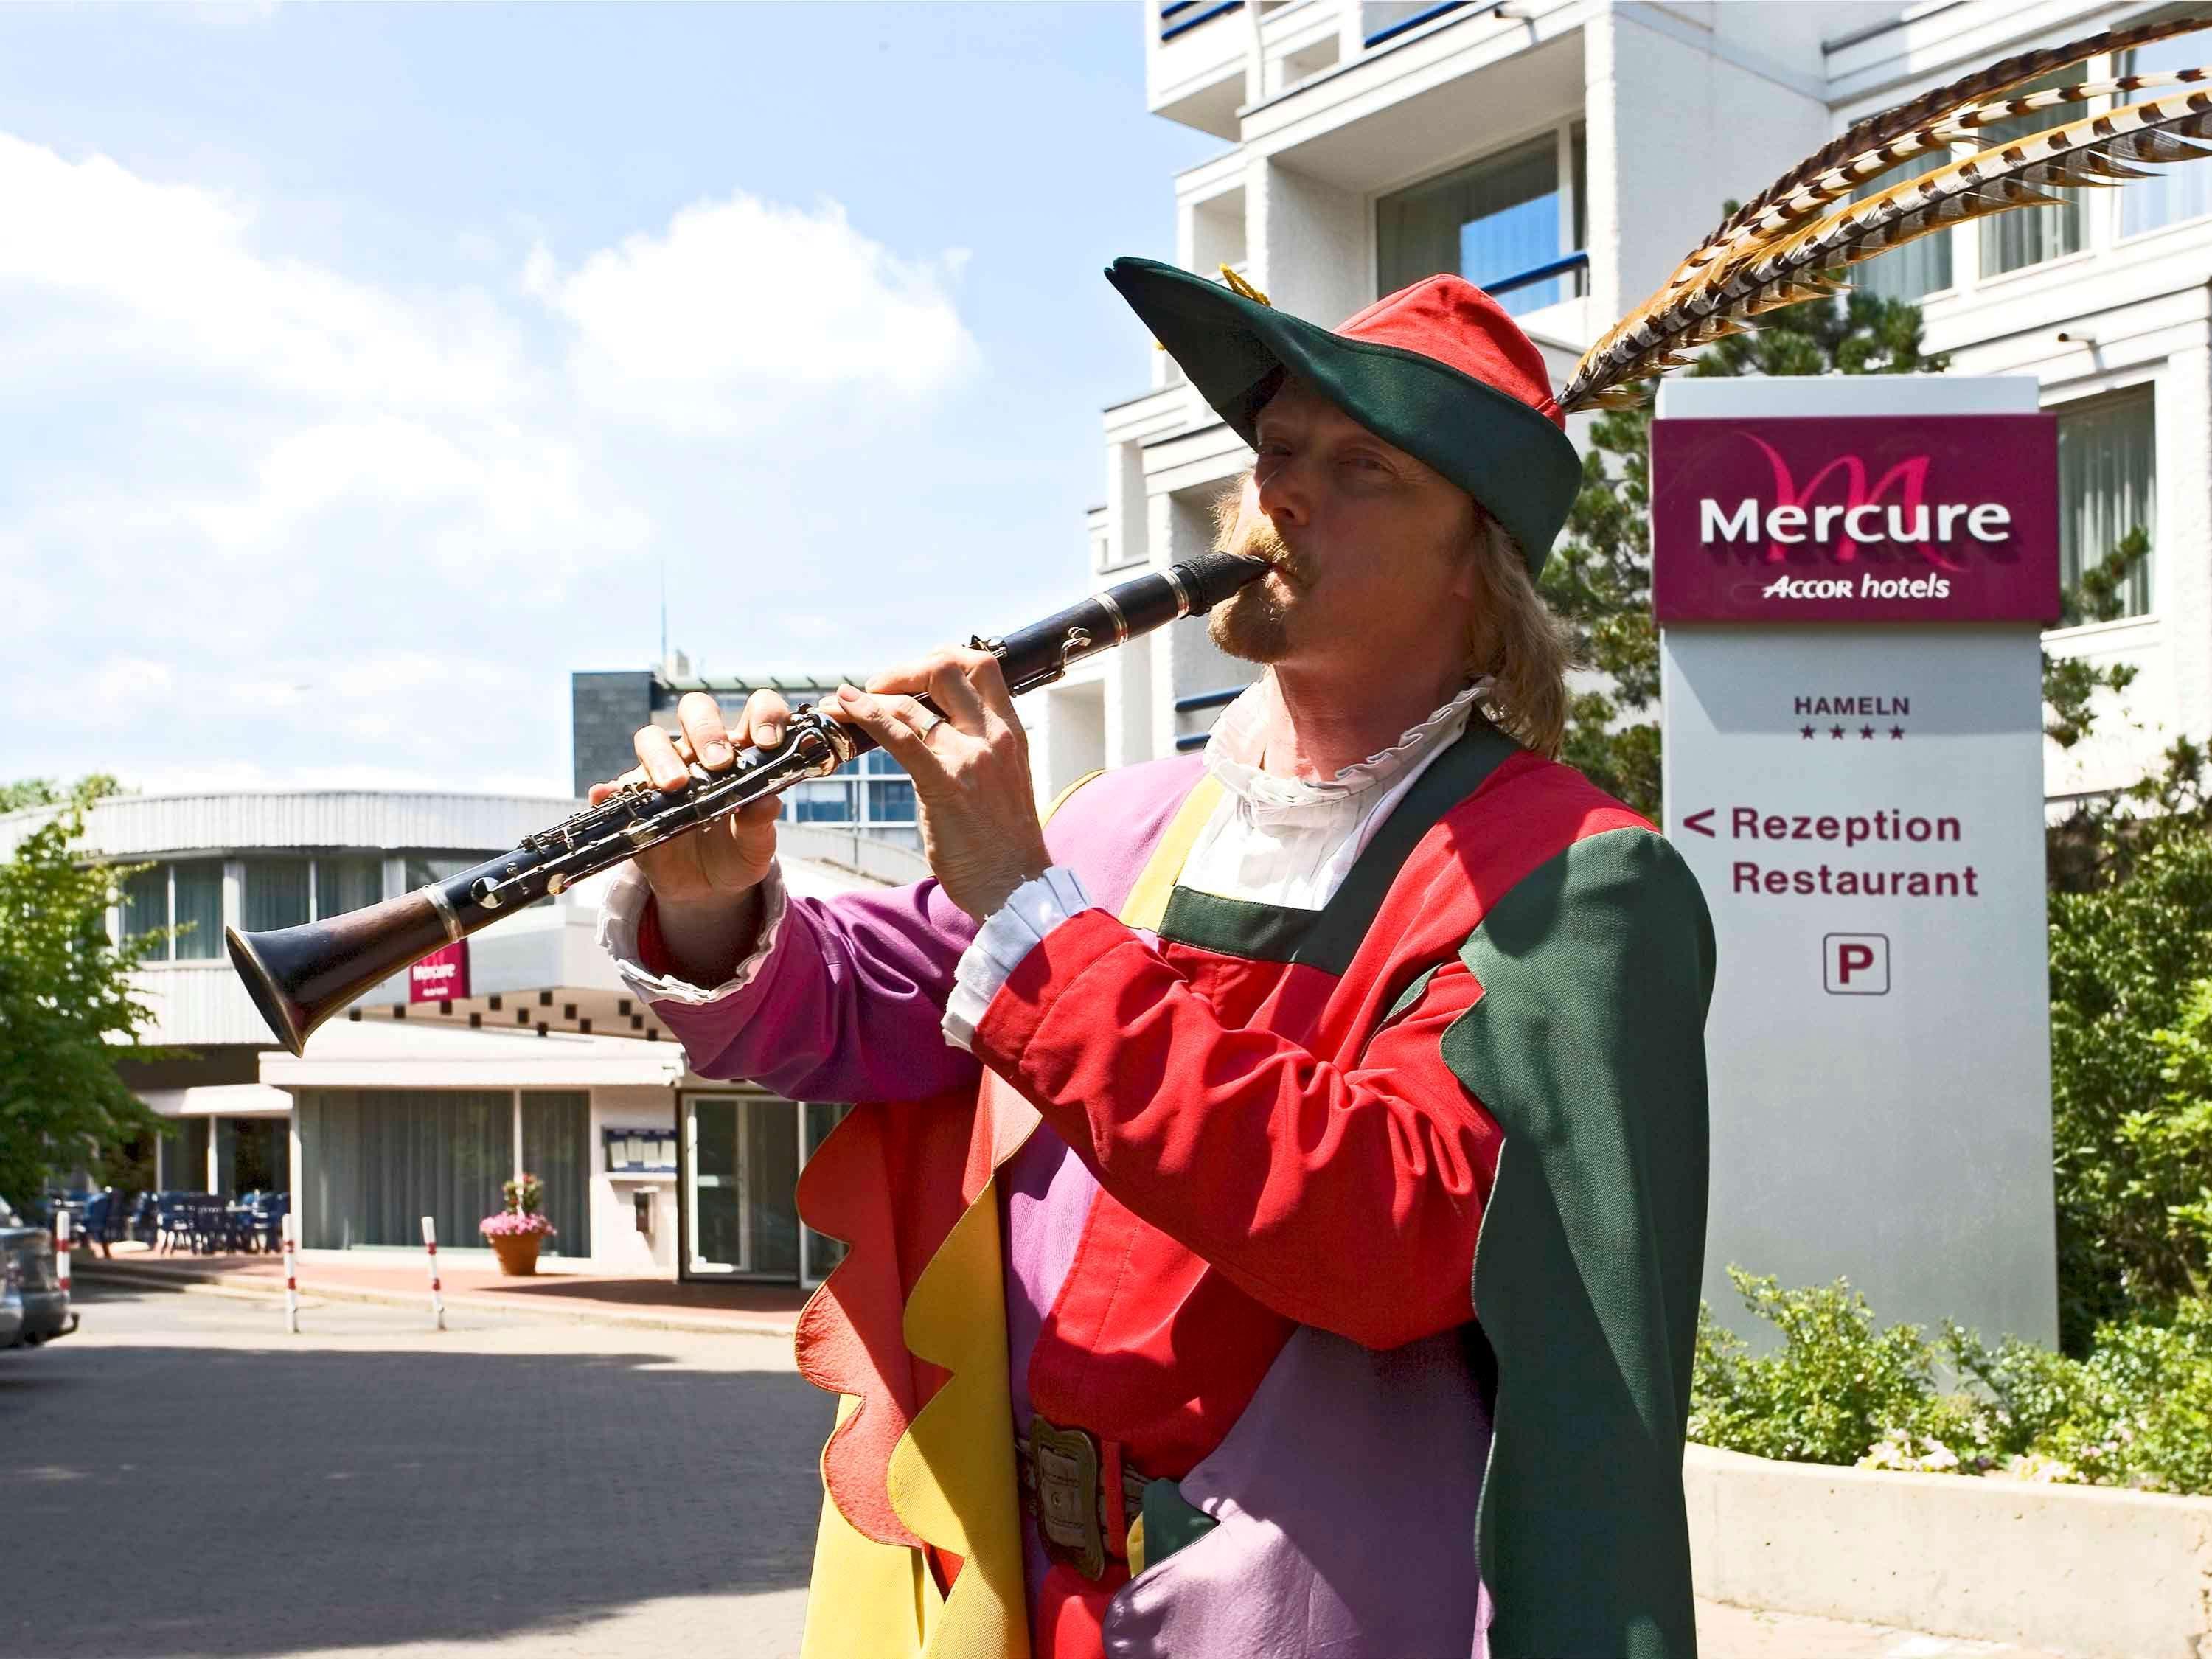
(1135, 1548)
(951, 1477)
(1148, 899)
(884, 1599)
(1061, 799)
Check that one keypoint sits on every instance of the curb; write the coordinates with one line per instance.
(241, 1287)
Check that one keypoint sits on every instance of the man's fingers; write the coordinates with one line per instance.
(765, 716)
(946, 676)
(656, 753)
(897, 722)
(701, 717)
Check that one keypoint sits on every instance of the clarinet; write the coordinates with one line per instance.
(300, 976)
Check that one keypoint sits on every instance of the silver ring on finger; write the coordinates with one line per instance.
(927, 721)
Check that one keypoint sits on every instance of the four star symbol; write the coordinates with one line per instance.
(1867, 733)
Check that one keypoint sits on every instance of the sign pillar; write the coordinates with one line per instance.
(1850, 577)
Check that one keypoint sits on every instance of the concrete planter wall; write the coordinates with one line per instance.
(2085, 1571)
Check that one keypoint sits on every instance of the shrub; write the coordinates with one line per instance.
(2131, 1089)
(1833, 1388)
(2136, 1412)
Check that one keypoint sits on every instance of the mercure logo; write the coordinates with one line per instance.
(1893, 513)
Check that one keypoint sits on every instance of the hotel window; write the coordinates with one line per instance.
(890, 794)
(187, 896)
(275, 894)
(2028, 236)
(2107, 486)
(1501, 216)
(347, 883)
(1919, 268)
(146, 907)
(2177, 191)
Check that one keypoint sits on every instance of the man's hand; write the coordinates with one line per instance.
(704, 881)
(970, 770)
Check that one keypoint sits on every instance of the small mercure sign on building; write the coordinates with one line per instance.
(1850, 577)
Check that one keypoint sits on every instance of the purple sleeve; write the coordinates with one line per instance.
(847, 1008)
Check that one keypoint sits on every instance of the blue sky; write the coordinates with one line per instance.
(365, 365)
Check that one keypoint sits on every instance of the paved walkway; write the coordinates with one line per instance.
(183, 1477)
(402, 1276)
(186, 1478)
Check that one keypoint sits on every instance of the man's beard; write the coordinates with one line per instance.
(1252, 623)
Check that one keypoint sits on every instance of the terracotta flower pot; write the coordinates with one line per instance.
(517, 1252)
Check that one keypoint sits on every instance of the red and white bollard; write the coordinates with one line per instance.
(62, 1250)
(437, 1290)
(291, 1282)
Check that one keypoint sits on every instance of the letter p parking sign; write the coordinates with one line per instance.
(1854, 965)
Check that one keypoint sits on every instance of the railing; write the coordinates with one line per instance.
(1197, 702)
(1181, 16)
(1426, 14)
(1220, 699)
(1578, 260)
(853, 850)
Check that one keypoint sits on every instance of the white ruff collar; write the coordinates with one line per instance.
(1232, 754)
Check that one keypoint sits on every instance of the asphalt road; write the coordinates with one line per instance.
(183, 1477)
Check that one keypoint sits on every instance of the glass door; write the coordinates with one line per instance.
(715, 1194)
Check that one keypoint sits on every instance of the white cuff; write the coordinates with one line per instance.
(1009, 933)
(623, 907)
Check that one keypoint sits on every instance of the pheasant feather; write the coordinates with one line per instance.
(1872, 133)
(1792, 242)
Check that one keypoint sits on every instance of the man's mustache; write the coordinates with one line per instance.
(1262, 540)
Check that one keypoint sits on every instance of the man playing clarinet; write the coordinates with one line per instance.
(1276, 1199)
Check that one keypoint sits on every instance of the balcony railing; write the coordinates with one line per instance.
(1577, 261)
(1181, 16)
(1426, 14)
(1198, 702)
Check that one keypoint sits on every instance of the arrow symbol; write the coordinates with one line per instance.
(1697, 820)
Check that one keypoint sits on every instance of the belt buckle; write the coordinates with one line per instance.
(1064, 1469)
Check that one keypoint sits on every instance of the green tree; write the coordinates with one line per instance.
(1598, 579)
(67, 1012)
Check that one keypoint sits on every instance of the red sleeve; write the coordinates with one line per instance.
(1347, 1198)
(651, 949)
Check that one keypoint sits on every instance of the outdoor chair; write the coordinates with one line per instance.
(142, 1226)
(174, 1221)
(114, 1226)
(93, 1224)
(209, 1223)
(269, 1219)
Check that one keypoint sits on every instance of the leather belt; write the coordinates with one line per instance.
(1062, 1488)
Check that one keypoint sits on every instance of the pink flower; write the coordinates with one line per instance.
(508, 1224)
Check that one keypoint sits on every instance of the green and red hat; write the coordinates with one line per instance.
(1437, 369)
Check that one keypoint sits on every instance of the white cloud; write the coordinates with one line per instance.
(166, 275)
(744, 305)
(244, 457)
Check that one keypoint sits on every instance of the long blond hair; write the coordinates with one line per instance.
(1516, 643)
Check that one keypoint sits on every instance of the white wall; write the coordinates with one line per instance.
(617, 1245)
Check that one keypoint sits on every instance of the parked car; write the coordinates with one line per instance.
(28, 1253)
(11, 1303)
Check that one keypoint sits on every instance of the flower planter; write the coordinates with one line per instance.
(517, 1252)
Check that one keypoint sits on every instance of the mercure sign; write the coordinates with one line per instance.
(1851, 519)
(1849, 577)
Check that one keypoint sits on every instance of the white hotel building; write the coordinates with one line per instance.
(403, 1107)
(1565, 155)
